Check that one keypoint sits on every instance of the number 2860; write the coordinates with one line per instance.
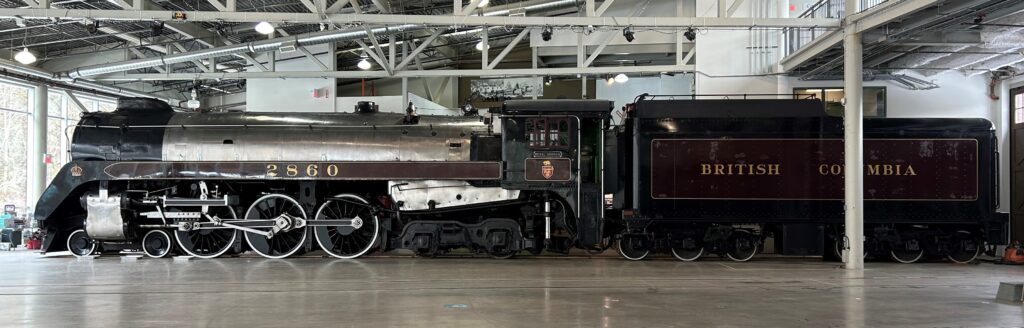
(301, 170)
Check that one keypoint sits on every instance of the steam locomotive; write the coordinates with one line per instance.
(687, 177)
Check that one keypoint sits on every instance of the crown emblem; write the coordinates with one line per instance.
(76, 171)
(547, 170)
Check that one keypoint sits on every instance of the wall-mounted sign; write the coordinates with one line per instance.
(507, 88)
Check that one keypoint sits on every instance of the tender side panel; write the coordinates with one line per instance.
(812, 169)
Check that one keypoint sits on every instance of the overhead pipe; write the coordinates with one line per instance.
(45, 75)
(276, 43)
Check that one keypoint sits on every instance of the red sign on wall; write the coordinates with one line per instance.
(812, 169)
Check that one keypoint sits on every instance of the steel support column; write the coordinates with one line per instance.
(37, 167)
(853, 172)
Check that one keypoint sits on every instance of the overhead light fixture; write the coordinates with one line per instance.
(545, 33)
(265, 28)
(690, 34)
(480, 46)
(92, 27)
(621, 78)
(547, 81)
(323, 26)
(364, 64)
(157, 28)
(483, 3)
(20, 21)
(610, 80)
(628, 33)
(25, 57)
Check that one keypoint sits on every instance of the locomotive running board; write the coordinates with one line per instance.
(346, 170)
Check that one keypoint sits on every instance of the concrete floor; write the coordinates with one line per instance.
(480, 292)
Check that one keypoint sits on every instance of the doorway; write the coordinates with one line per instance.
(1017, 164)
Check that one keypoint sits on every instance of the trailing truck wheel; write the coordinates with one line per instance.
(157, 243)
(80, 244)
(347, 241)
(963, 247)
(631, 248)
(742, 246)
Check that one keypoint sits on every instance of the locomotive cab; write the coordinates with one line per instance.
(557, 146)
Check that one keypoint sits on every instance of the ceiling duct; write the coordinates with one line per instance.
(41, 74)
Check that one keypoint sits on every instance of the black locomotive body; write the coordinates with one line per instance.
(687, 177)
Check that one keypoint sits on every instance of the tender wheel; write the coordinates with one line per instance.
(963, 248)
(503, 255)
(687, 254)
(742, 246)
(80, 244)
(910, 252)
(157, 243)
(632, 249)
(209, 243)
(347, 242)
(839, 247)
(284, 243)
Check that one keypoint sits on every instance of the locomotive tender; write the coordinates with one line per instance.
(685, 177)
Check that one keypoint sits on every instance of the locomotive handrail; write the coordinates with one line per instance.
(186, 126)
(726, 95)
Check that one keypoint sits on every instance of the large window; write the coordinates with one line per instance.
(1018, 111)
(14, 123)
(874, 99)
(15, 130)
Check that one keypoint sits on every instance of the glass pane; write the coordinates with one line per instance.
(834, 95)
(803, 93)
(542, 131)
(871, 99)
(13, 97)
(1018, 102)
(107, 106)
(53, 152)
(54, 135)
(89, 104)
(13, 167)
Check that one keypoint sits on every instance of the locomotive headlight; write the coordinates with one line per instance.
(364, 64)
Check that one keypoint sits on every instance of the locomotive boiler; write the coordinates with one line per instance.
(686, 177)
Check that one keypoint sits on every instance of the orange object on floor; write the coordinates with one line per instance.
(1014, 254)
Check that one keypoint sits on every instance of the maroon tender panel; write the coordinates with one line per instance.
(895, 169)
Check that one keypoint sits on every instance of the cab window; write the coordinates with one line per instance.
(549, 132)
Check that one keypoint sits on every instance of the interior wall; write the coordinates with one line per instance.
(294, 95)
(722, 58)
(624, 93)
(222, 100)
(393, 87)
